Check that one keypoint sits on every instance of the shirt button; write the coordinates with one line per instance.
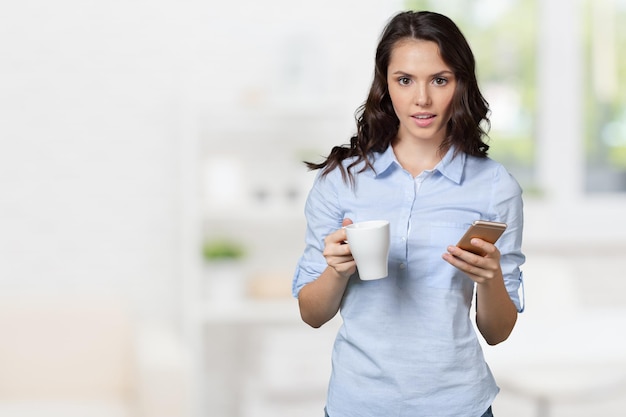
(402, 266)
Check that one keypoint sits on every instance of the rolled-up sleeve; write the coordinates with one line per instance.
(508, 205)
(323, 216)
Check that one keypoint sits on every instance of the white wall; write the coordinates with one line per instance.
(89, 160)
(98, 108)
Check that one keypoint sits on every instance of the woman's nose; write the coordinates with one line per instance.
(422, 98)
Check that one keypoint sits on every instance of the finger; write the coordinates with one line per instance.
(478, 261)
(339, 248)
(456, 261)
(343, 265)
(486, 247)
(478, 268)
(473, 272)
(480, 244)
(336, 237)
(466, 256)
(345, 262)
(346, 222)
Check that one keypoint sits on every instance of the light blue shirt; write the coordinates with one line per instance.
(407, 346)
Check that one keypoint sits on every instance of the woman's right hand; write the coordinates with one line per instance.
(319, 300)
(337, 252)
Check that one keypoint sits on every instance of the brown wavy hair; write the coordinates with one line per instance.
(377, 123)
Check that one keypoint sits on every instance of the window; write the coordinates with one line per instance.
(605, 95)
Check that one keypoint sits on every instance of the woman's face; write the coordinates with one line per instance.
(421, 86)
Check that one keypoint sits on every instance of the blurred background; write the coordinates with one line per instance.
(152, 192)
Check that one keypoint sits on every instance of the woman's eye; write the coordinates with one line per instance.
(440, 81)
(404, 81)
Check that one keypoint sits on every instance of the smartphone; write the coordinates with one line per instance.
(483, 229)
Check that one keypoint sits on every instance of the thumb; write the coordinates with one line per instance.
(346, 222)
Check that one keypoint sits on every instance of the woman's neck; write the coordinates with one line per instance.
(417, 157)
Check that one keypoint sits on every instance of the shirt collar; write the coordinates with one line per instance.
(384, 161)
(450, 166)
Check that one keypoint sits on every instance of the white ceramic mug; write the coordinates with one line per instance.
(369, 243)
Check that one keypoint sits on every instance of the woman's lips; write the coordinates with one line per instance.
(424, 120)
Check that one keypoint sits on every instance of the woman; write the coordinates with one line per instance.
(407, 346)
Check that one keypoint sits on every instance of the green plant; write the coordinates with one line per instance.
(222, 249)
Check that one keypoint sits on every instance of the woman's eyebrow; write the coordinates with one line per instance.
(400, 73)
(437, 74)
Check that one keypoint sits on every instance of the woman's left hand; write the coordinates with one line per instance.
(495, 312)
(481, 269)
